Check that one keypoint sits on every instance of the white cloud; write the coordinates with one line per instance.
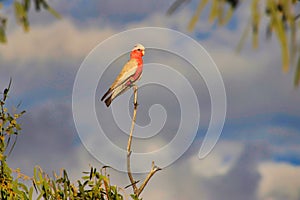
(105, 8)
(219, 161)
(60, 40)
(279, 181)
(254, 82)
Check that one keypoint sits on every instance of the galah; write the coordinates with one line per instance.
(130, 73)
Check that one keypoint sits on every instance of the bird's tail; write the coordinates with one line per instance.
(108, 101)
(107, 93)
(115, 93)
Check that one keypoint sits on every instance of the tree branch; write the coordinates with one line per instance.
(137, 191)
(153, 170)
(133, 182)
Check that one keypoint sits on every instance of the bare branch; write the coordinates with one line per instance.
(133, 182)
(137, 191)
(153, 170)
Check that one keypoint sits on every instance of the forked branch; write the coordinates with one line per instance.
(137, 190)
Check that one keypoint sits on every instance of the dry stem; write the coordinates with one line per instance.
(133, 182)
(137, 191)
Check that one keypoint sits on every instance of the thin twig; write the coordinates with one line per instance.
(137, 191)
(154, 169)
(133, 182)
(127, 186)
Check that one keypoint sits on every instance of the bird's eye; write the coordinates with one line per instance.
(139, 49)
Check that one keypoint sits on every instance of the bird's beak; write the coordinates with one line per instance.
(143, 52)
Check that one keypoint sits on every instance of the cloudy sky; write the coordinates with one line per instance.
(258, 154)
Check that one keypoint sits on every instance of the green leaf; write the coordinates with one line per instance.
(51, 10)
(91, 173)
(30, 193)
(65, 174)
(297, 74)
(12, 147)
(244, 37)
(9, 117)
(27, 4)
(54, 186)
(224, 20)
(35, 186)
(134, 197)
(37, 5)
(281, 34)
(214, 10)
(6, 90)
(255, 22)
(20, 10)
(85, 177)
(119, 197)
(175, 6)
(2, 35)
(23, 187)
(23, 112)
(54, 13)
(40, 196)
(85, 183)
(18, 127)
(197, 14)
(21, 15)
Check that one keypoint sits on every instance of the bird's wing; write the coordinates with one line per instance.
(128, 70)
(116, 92)
(119, 90)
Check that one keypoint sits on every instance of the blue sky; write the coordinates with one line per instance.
(259, 148)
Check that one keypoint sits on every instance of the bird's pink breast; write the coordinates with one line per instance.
(137, 55)
(138, 72)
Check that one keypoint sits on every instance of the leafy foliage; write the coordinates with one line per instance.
(93, 185)
(21, 9)
(10, 187)
(283, 22)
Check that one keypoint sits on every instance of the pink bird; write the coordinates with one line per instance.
(130, 73)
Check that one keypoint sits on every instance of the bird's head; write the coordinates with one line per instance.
(138, 50)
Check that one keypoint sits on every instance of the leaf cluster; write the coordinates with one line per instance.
(283, 22)
(10, 187)
(94, 185)
(21, 10)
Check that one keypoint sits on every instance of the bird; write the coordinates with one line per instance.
(130, 73)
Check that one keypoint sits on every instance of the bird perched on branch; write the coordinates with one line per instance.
(130, 73)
